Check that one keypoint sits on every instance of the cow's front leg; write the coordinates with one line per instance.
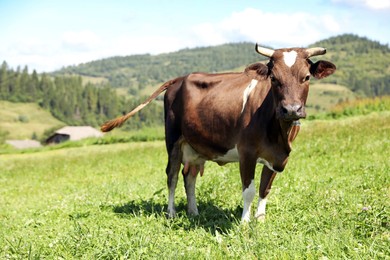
(267, 177)
(247, 172)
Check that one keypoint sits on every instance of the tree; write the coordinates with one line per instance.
(4, 80)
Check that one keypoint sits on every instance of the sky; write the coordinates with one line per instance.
(47, 35)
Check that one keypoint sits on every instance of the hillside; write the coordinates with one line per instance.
(84, 94)
(136, 72)
(25, 120)
(363, 65)
(322, 97)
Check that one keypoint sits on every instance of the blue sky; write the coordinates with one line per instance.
(48, 34)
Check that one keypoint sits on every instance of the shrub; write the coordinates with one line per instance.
(362, 106)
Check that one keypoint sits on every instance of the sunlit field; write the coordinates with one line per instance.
(109, 201)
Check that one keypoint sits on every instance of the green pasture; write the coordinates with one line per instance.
(108, 201)
(323, 97)
(23, 120)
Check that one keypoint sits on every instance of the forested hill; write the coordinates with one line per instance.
(363, 65)
(138, 71)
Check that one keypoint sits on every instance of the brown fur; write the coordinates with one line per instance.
(206, 117)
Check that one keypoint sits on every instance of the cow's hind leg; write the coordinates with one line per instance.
(189, 183)
(172, 170)
(267, 177)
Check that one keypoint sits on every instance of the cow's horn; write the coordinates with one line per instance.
(264, 51)
(315, 51)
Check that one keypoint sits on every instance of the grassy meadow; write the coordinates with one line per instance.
(323, 97)
(108, 201)
(22, 120)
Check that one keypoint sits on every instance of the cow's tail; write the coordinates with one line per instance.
(109, 125)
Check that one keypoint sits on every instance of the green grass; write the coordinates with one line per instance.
(117, 136)
(324, 97)
(360, 106)
(21, 120)
(108, 201)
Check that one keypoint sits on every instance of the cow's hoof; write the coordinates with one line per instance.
(245, 220)
(171, 214)
(193, 213)
(261, 218)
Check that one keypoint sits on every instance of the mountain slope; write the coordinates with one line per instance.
(363, 65)
(25, 120)
(138, 71)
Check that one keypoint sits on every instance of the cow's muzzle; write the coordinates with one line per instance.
(292, 112)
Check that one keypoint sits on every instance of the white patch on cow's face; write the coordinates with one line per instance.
(247, 92)
(290, 58)
(248, 194)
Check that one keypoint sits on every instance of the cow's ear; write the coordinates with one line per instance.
(321, 69)
(260, 69)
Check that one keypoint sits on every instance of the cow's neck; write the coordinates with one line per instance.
(288, 132)
(281, 131)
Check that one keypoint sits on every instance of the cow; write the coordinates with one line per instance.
(249, 117)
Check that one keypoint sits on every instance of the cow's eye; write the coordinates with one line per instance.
(272, 77)
(307, 78)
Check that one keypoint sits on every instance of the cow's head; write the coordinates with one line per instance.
(289, 71)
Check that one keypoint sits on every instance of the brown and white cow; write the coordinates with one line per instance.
(250, 117)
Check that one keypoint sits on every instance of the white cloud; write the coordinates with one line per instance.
(132, 44)
(29, 46)
(377, 4)
(296, 29)
(273, 29)
(80, 40)
(371, 4)
(34, 52)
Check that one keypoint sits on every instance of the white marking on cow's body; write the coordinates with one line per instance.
(260, 213)
(190, 156)
(247, 92)
(248, 194)
(233, 156)
(290, 58)
(230, 156)
(266, 163)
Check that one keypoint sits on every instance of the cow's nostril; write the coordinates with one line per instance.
(284, 110)
(292, 111)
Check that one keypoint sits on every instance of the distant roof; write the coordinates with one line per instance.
(23, 144)
(79, 132)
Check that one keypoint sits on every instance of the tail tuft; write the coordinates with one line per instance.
(109, 125)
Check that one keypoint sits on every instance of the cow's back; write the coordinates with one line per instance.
(208, 109)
